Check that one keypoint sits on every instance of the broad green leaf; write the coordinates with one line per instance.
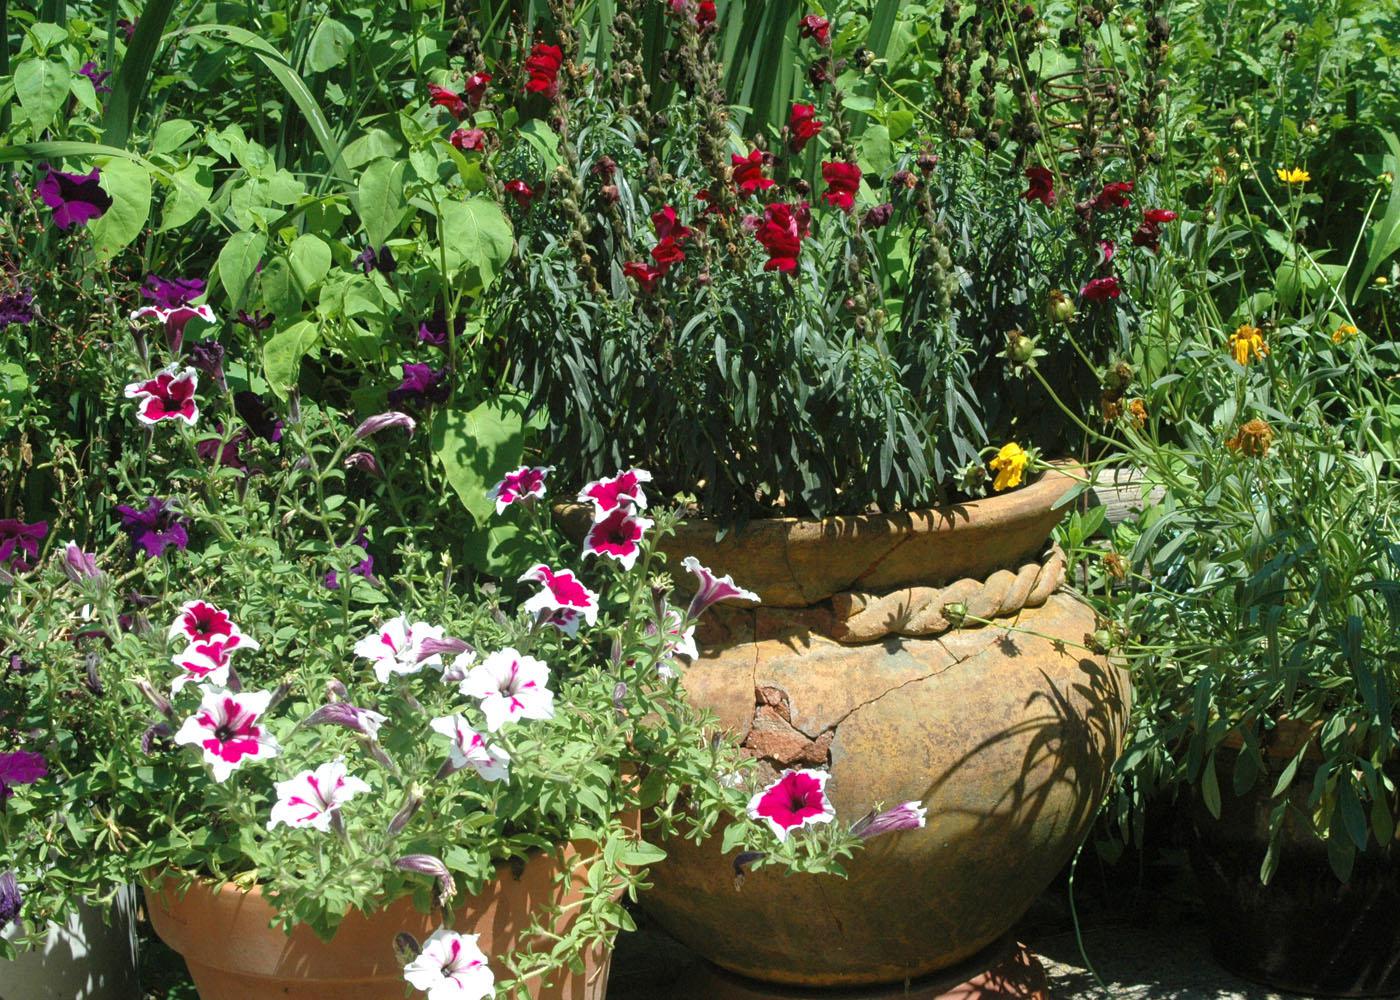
(237, 262)
(330, 44)
(641, 853)
(310, 259)
(380, 198)
(370, 146)
(171, 135)
(42, 85)
(478, 240)
(189, 193)
(130, 187)
(544, 140)
(477, 447)
(281, 292)
(282, 356)
(874, 151)
(1210, 787)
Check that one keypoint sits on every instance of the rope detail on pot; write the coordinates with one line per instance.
(924, 611)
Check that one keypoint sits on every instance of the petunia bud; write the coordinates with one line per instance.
(619, 699)
(80, 566)
(446, 645)
(364, 462)
(406, 812)
(158, 700)
(426, 864)
(94, 681)
(741, 866)
(157, 738)
(383, 421)
(10, 900)
(279, 695)
(905, 816)
(406, 947)
(346, 716)
(336, 691)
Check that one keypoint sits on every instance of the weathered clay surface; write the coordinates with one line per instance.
(800, 562)
(1006, 737)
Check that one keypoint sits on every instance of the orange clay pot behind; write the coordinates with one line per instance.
(233, 953)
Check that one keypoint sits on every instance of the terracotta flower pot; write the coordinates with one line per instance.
(850, 663)
(233, 953)
(1304, 932)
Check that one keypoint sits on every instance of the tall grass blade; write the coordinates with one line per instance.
(134, 75)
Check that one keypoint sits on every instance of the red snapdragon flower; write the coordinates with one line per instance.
(781, 233)
(667, 253)
(748, 172)
(1113, 195)
(1042, 186)
(705, 14)
(1158, 216)
(468, 140)
(1149, 234)
(476, 88)
(1100, 289)
(668, 225)
(842, 183)
(815, 27)
(441, 97)
(645, 275)
(520, 191)
(543, 67)
(803, 126)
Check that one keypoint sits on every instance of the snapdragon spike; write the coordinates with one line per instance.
(394, 647)
(168, 396)
(228, 728)
(468, 748)
(803, 126)
(796, 799)
(542, 67)
(451, 966)
(311, 799)
(712, 588)
(781, 232)
(842, 185)
(618, 537)
(562, 591)
(511, 687)
(748, 172)
(525, 483)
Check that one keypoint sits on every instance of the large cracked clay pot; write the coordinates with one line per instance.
(1005, 732)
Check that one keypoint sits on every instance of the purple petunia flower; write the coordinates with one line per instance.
(208, 357)
(256, 321)
(19, 543)
(10, 899)
(17, 308)
(225, 452)
(381, 260)
(421, 385)
(259, 417)
(99, 80)
(76, 199)
(433, 332)
(363, 568)
(155, 527)
(20, 767)
(171, 293)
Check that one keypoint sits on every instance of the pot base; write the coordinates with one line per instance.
(1004, 971)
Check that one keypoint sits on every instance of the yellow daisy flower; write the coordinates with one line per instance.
(1343, 332)
(1010, 466)
(1295, 176)
(1247, 344)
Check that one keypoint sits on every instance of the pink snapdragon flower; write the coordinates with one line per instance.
(712, 589)
(470, 749)
(451, 966)
(394, 648)
(228, 729)
(168, 396)
(623, 490)
(617, 536)
(562, 592)
(524, 483)
(511, 686)
(313, 798)
(796, 799)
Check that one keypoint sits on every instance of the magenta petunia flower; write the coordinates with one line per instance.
(1042, 186)
(20, 767)
(200, 621)
(617, 536)
(712, 589)
(76, 199)
(174, 321)
(525, 483)
(79, 566)
(19, 543)
(796, 799)
(154, 528)
(564, 592)
(842, 184)
(393, 648)
(421, 385)
(99, 79)
(314, 797)
(228, 729)
(622, 490)
(168, 396)
(748, 172)
(511, 687)
(171, 293)
(470, 749)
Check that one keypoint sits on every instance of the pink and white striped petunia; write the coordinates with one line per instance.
(712, 589)
(470, 749)
(202, 622)
(622, 490)
(617, 536)
(228, 729)
(312, 798)
(168, 396)
(524, 482)
(201, 667)
(679, 641)
(174, 319)
(511, 686)
(562, 592)
(796, 799)
(394, 647)
(451, 966)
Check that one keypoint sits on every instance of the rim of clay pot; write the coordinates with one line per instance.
(793, 562)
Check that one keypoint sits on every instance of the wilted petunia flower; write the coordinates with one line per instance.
(796, 799)
(394, 646)
(712, 589)
(155, 527)
(451, 966)
(313, 798)
(17, 308)
(617, 536)
(208, 357)
(511, 686)
(347, 716)
(228, 729)
(11, 900)
(76, 199)
(470, 749)
(19, 543)
(168, 396)
(381, 260)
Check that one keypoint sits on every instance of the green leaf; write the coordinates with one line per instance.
(1210, 787)
(189, 193)
(42, 85)
(478, 239)
(282, 356)
(237, 262)
(171, 135)
(370, 146)
(641, 854)
(132, 76)
(330, 44)
(380, 199)
(874, 151)
(130, 187)
(310, 260)
(544, 140)
(478, 447)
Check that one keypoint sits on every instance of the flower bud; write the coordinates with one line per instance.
(427, 864)
(406, 812)
(955, 613)
(157, 700)
(80, 566)
(336, 691)
(905, 816)
(364, 462)
(1020, 349)
(406, 947)
(383, 421)
(157, 738)
(1060, 307)
(741, 866)
(619, 699)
